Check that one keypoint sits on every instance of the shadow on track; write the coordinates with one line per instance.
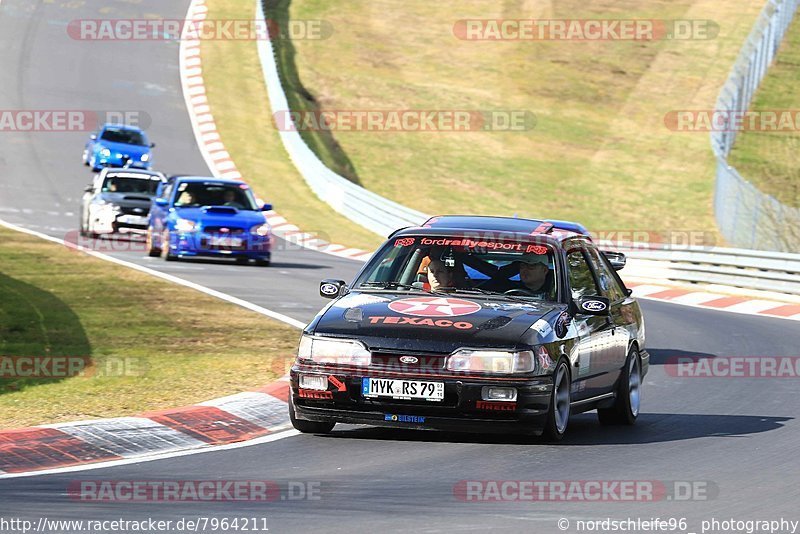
(585, 430)
(670, 356)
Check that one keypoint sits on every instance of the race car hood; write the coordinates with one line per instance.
(432, 323)
(128, 200)
(222, 216)
(134, 151)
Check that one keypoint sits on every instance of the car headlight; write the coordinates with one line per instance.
(145, 157)
(185, 225)
(492, 361)
(336, 351)
(105, 153)
(260, 229)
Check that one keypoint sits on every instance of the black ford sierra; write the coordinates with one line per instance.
(480, 324)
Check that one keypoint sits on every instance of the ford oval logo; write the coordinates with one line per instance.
(329, 289)
(594, 305)
(409, 359)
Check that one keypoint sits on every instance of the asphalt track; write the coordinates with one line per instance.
(737, 437)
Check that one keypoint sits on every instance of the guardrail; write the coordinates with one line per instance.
(733, 267)
(746, 216)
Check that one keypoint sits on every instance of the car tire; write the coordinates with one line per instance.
(152, 251)
(560, 403)
(242, 261)
(165, 248)
(307, 427)
(262, 263)
(629, 394)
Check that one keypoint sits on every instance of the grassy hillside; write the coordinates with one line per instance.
(600, 152)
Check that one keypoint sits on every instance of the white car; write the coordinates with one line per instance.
(118, 201)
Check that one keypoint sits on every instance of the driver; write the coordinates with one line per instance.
(535, 277)
(229, 199)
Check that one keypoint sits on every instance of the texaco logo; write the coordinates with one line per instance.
(434, 307)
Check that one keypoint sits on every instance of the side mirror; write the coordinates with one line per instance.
(93, 137)
(161, 202)
(88, 189)
(152, 145)
(594, 305)
(266, 207)
(616, 259)
(331, 288)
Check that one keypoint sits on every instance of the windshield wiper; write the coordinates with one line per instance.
(515, 298)
(387, 285)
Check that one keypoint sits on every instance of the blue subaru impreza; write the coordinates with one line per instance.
(198, 216)
(117, 145)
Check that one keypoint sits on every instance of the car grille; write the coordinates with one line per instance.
(139, 212)
(218, 230)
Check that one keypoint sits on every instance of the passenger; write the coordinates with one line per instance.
(440, 276)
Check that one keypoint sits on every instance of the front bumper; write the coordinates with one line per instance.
(462, 409)
(117, 162)
(193, 244)
(107, 220)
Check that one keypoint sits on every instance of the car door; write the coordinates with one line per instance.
(596, 346)
(623, 313)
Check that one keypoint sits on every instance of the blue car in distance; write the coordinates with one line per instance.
(193, 216)
(118, 145)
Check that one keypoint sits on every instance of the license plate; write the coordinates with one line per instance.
(217, 241)
(133, 219)
(402, 389)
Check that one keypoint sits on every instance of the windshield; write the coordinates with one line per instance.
(463, 265)
(127, 184)
(128, 137)
(196, 194)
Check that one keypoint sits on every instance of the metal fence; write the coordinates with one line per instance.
(747, 217)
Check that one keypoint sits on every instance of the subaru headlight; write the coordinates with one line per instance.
(492, 361)
(185, 225)
(105, 153)
(145, 157)
(333, 351)
(260, 229)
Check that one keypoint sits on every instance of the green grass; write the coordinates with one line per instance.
(178, 345)
(771, 160)
(240, 105)
(600, 139)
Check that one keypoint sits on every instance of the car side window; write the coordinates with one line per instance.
(608, 282)
(581, 279)
(166, 191)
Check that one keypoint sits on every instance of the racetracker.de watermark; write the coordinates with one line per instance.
(654, 239)
(135, 241)
(68, 120)
(45, 367)
(197, 30)
(584, 29)
(733, 367)
(193, 490)
(714, 120)
(406, 120)
(584, 490)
